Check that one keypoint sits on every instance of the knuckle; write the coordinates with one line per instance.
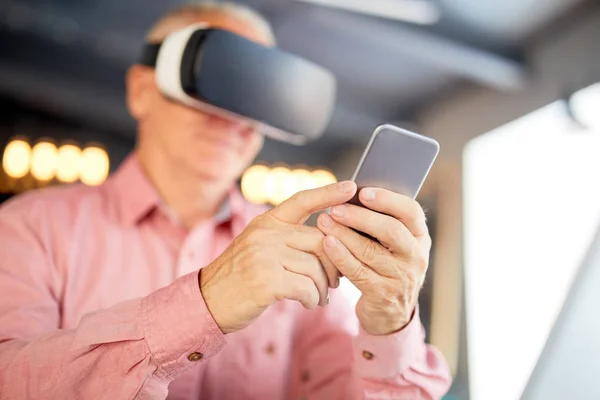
(358, 274)
(420, 257)
(394, 232)
(422, 263)
(370, 250)
(414, 211)
(411, 216)
(275, 287)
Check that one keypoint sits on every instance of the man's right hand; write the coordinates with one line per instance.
(276, 257)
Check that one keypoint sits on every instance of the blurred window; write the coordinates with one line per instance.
(531, 206)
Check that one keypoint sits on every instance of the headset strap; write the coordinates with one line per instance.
(150, 54)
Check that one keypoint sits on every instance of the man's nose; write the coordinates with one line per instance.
(229, 122)
(232, 125)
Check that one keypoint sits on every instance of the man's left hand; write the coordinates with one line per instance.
(389, 273)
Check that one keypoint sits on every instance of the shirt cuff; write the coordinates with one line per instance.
(179, 329)
(386, 356)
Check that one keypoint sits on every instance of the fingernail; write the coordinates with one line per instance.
(331, 241)
(368, 194)
(339, 211)
(325, 220)
(347, 186)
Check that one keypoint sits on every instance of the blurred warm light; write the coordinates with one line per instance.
(67, 169)
(280, 186)
(323, 178)
(44, 159)
(16, 158)
(95, 166)
(253, 184)
(304, 179)
(261, 184)
(290, 186)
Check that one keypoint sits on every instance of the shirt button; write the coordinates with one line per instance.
(367, 355)
(270, 350)
(305, 376)
(193, 357)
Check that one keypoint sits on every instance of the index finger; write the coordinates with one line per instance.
(300, 206)
(403, 208)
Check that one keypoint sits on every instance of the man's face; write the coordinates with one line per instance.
(196, 141)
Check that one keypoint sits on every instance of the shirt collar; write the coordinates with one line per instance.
(137, 197)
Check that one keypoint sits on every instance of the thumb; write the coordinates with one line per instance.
(300, 206)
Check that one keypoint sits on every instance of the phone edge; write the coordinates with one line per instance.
(376, 132)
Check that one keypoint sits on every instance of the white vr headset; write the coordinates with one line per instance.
(287, 97)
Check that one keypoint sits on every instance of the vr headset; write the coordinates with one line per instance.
(286, 97)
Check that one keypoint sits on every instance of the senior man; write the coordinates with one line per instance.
(163, 282)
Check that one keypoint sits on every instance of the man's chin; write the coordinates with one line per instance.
(216, 171)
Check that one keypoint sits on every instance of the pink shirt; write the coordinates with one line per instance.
(99, 299)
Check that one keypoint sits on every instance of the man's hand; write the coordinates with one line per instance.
(274, 258)
(389, 273)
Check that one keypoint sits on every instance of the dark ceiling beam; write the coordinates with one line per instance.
(76, 60)
(401, 41)
(91, 105)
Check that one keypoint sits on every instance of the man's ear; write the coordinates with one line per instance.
(139, 83)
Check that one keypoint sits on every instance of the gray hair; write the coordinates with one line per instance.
(237, 10)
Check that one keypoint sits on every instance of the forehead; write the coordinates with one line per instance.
(218, 20)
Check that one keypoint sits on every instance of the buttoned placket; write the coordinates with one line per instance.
(196, 251)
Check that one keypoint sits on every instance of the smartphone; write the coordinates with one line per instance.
(395, 159)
